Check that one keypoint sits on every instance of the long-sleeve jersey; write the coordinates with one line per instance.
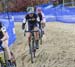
(41, 17)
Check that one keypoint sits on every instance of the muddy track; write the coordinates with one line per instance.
(57, 50)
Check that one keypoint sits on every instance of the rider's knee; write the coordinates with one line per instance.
(28, 36)
(5, 44)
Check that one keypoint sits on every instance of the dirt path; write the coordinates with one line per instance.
(58, 49)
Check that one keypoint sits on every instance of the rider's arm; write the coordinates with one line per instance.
(43, 18)
(38, 19)
(5, 34)
(43, 21)
(23, 24)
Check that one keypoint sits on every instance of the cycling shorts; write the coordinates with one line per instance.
(31, 27)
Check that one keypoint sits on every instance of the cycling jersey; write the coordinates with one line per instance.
(41, 19)
(3, 29)
(40, 16)
(31, 21)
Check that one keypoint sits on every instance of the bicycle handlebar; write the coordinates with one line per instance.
(32, 31)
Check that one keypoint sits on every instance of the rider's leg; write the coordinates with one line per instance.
(36, 34)
(43, 26)
(13, 58)
(28, 34)
(43, 31)
(5, 45)
(39, 25)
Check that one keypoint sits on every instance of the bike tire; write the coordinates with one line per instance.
(33, 47)
(31, 53)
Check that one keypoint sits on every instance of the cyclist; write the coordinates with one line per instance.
(41, 18)
(30, 22)
(4, 40)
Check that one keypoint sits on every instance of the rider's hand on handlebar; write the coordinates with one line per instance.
(23, 26)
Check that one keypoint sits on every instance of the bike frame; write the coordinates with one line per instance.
(32, 45)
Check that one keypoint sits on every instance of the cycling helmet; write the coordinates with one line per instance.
(30, 9)
(38, 9)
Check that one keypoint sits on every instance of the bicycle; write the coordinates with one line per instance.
(32, 44)
(6, 63)
(40, 33)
